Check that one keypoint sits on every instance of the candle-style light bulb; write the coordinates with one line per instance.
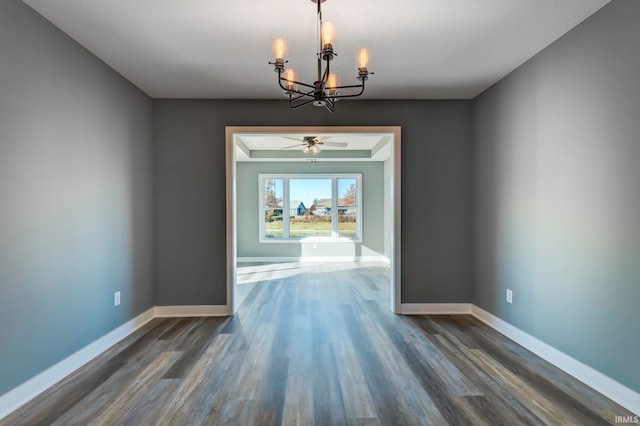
(332, 81)
(328, 34)
(315, 149)
(279, 47)
(363, 58)
(290, 76)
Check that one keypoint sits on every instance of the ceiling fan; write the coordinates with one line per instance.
(312, 143)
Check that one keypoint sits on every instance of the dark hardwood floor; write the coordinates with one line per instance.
(317, 345)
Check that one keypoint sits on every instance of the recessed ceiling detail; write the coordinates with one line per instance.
(277, 142)
(336, 147)
(429, 49)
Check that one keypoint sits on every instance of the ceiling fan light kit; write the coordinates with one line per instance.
(325, 91)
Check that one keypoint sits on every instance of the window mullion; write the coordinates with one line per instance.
(285, 208)
(359, 207)
(261, 214)
(334, 207)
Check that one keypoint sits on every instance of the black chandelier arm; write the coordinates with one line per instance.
(294, 105)
(281, 79)
(301, 95)
(297, 92)
(286, 89)
(352, 86)
(351, 95)
(330, 105)
(325, 76)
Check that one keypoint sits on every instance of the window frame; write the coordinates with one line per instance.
(334, 238)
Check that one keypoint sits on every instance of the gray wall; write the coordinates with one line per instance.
(190, 256)
(557, 194)
(75, 196)
(372, 210)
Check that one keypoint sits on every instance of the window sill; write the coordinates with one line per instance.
(311, 240)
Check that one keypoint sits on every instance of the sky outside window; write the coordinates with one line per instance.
(307, 190)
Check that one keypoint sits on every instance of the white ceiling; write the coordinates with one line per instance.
(422, 49)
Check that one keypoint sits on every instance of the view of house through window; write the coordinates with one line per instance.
(317, 206)
(310, 201)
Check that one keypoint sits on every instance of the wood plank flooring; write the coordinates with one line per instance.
(317, 344)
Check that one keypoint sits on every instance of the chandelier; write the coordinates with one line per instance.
(325, 91)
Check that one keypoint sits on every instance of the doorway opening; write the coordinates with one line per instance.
(355, 145)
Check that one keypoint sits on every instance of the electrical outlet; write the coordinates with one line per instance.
(116, 298)
(509, 296)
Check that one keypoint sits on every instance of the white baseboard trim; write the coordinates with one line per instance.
(435, 308)
(317, 259)
(33, 387)
(191, 311)
(626, 397)
(17, 397)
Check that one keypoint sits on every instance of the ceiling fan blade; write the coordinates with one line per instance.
(294, 146)
(293, 139)
(337, 144)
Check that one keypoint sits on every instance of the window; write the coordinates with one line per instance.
(347, 207)
(324, 207)
(272, 208)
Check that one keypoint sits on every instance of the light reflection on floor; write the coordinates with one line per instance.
(253, 272)
(249, 274)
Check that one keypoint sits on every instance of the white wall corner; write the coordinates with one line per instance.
(616, 391)
(191, 311)
(33, 387)
(435, 308)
